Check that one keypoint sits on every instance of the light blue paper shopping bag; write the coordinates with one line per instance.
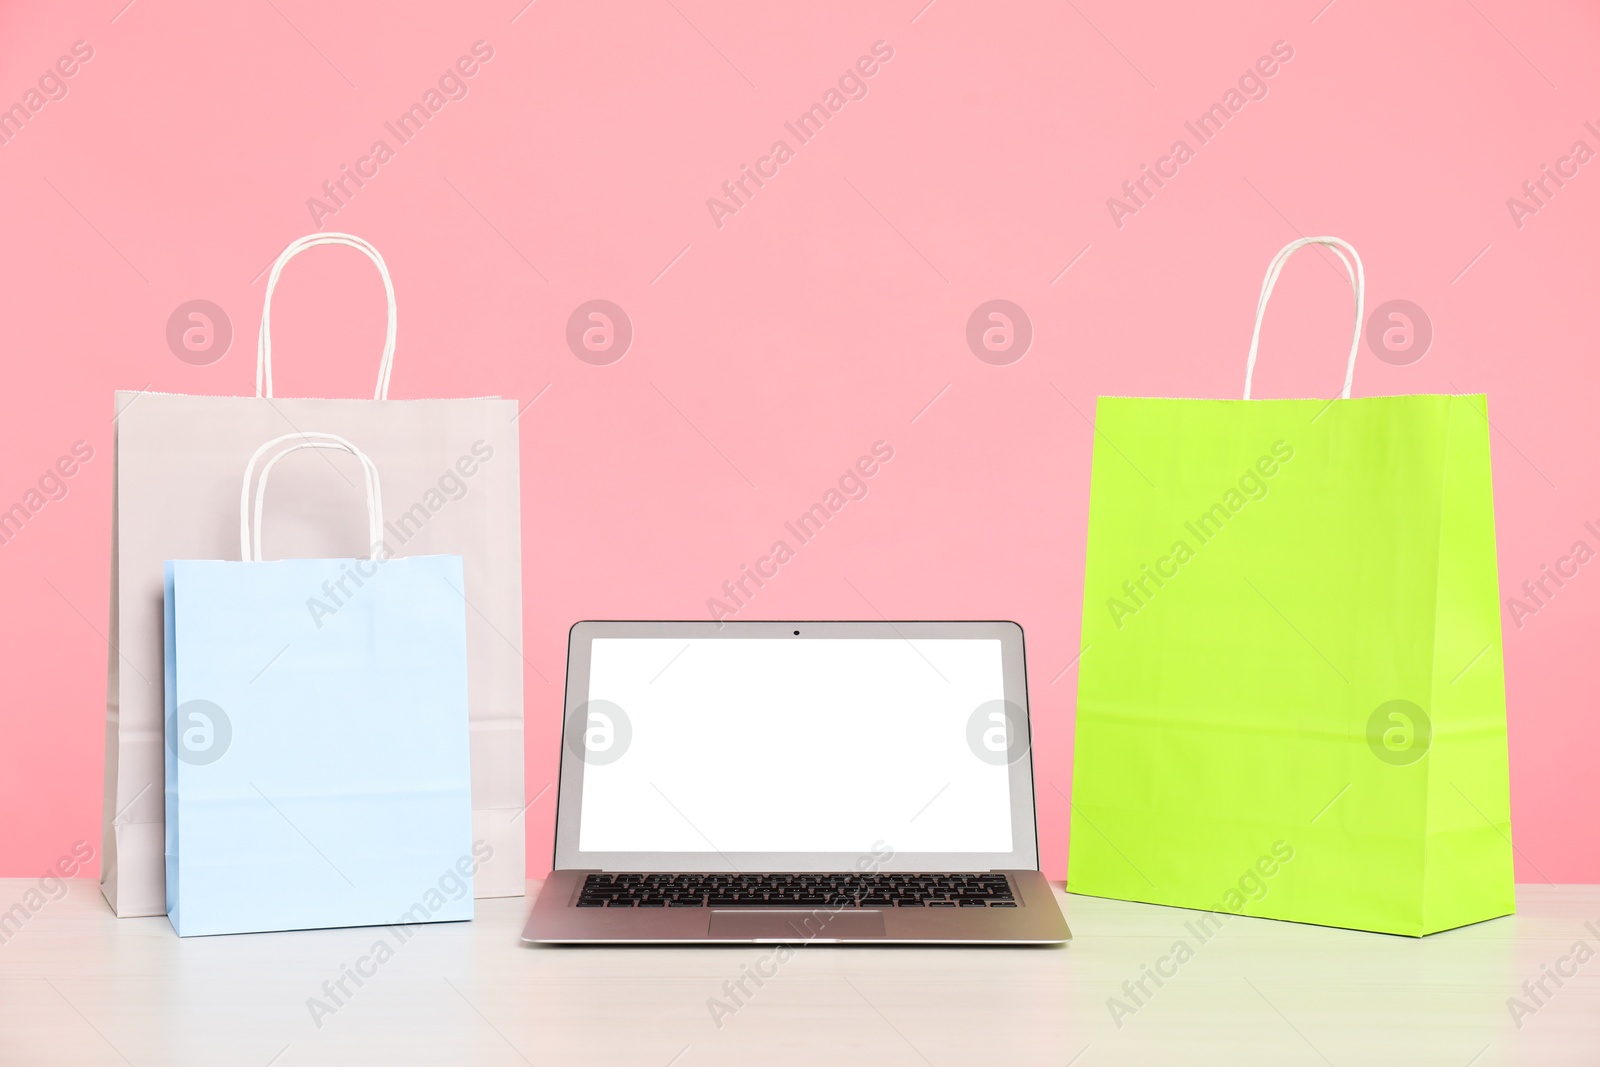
(317, 740)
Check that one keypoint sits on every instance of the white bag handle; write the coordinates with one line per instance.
(264, 340)
(250, 547)
(1358, 285)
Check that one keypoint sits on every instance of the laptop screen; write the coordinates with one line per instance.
(820, 745)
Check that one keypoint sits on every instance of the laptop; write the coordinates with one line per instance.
(796, 783)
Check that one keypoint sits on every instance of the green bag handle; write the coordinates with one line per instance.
(1358, 285)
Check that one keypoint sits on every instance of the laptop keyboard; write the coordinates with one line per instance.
(796, 891)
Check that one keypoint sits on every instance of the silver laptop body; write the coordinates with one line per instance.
(796, 783)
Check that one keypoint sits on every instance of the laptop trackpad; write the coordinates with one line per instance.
(795, 925)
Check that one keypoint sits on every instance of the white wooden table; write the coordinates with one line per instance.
(78, 986)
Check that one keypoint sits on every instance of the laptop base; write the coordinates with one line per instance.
(556, 918)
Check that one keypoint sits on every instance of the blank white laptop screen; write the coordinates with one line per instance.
(811, 745)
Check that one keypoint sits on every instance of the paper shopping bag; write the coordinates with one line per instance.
(1290, 700)
(316, 767)
(451, 469)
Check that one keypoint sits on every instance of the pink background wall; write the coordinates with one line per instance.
(829, 312)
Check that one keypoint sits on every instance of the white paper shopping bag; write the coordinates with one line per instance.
(450, 469)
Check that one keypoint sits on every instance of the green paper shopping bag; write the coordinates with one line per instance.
(1290, 700)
